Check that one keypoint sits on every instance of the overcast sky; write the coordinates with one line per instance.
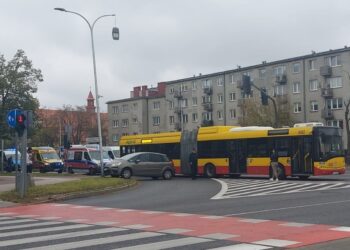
(161, 40)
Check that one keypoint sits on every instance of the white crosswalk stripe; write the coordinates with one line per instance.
(60, 235)
(237, 188)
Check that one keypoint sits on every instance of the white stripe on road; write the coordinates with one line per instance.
(59, 236)
(48, 223)
(15, 221)
(222, 192)
(242, 246)
(99, 241)
(6, 218)
(166, 244)
(43, 230)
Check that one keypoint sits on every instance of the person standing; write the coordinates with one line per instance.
(274, 165)
(29, 160)
(193, 160)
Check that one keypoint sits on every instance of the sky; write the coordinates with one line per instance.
(160, 40)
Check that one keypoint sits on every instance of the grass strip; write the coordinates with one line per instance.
(47, 192)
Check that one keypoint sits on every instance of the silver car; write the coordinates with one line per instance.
(150, 164)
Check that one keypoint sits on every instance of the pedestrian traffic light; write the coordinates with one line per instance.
(246, 85)
(20, 123)
(264, 97)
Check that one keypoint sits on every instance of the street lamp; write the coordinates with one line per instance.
(115, 36)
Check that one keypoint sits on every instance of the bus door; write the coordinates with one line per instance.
(241, 153)
(233, 157)
(302, 155)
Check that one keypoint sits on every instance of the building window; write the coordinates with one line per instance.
(156, 105)
(125, 108)
(134, 106)
(232, 113)
(335, 123)
(332, 61)
(232, 97)
(220, 81)
(183, 87)
(206, 99)
(232, 79)
(296, 87)
(115, 124)
(194, 117)
(156, 120)
(125, 123)
(314, 106)
(171, 105)
(194, 101)
(313, 85)
(220, 98)
(279, 90)
(134, 120)
(184, 118)
(335, 82)
(208, 116)
(115, 137)
(296, 68)
(335, 103)
(172, 90)
(297, 107)
(171, 119)
(312, 64)
(280, 70)
(194, 85)
(262, 73)
(115, 109)
(184, 103)
(220, 115)
(206, 83)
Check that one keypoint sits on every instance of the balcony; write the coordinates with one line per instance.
(281, 79)
(326, 71)
(207, 123)
(177, 110)
(208, 90)
(208, 106)
(177, 95)
(282, 99)
(327, 92)
(327, 114)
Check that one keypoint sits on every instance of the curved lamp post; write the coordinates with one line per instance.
(115, 36)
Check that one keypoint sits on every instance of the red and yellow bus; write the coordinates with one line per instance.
(226, 150)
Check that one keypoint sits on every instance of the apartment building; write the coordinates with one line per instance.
(314, 86)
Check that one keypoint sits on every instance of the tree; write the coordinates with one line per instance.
(18, 83)
(255, 114)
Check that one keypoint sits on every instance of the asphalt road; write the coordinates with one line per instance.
(183, 195)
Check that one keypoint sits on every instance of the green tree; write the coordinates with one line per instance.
(18, 83)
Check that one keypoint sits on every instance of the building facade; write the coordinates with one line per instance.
(312, 88)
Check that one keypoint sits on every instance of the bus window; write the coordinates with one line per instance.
(282, 146)
(257, 148)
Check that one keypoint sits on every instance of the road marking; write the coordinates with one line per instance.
(59, 236)
(50, 218)
(60, 205)
(175, 231)
(38, 223)
(6, 218)
(42, 230)
(15, 221)
(224, 188)
(243, 246)
(166, 244)
(253, 220)
(286, 208)
(99, 241)
(295, 224)
(342, 229)
(1, 214)
(181, 214)
(137, 226)
(27, 216)
(276, 242)
(219, 236)
(213, 217)
(102, 208)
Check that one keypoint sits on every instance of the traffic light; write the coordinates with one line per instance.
(264, 98)
(246, 85)
(20, 123)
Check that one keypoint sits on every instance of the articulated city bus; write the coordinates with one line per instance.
(226, 150)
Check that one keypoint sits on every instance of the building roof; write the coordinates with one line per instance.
(90, 96)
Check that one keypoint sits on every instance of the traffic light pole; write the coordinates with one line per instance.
(273, 102)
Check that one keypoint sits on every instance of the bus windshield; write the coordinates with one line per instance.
(329, 143)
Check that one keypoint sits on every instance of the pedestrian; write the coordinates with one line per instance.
(193, 160)
(274, 165)
(29, 160)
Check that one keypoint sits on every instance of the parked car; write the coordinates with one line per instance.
(9, 160)
(143, 164)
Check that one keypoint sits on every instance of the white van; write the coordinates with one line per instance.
(113, 151)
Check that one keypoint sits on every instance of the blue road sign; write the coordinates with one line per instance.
(11, 117)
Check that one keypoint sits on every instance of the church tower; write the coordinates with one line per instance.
(90, 103)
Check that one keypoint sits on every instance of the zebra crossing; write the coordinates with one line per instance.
(37, 234)
(239, 188)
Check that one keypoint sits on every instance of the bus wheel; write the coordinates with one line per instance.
(210, 171)
(280, 172)
(126, 173)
